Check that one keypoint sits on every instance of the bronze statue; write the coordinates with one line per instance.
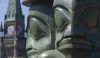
(77, 32)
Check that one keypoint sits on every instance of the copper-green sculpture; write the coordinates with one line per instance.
(75, 28)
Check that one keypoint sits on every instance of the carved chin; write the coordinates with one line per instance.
(75, 42)
(32, 53)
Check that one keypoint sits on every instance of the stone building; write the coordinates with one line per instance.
(12, 44)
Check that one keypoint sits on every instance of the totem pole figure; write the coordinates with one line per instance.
(77, 32)
(77, 28)
(40, 31)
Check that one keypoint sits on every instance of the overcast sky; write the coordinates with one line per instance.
(4, 6)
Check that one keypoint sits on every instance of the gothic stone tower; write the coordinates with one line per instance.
(14, 40)
(14, 19)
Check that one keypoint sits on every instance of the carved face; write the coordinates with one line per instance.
(78, 24)
(39, 35)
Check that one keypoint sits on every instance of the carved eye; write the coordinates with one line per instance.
(35, 29)
(61, 18)
(90, 18)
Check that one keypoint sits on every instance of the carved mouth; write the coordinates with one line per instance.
(31, 51)
(75, 42)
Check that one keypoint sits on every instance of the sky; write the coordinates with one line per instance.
(3, 10)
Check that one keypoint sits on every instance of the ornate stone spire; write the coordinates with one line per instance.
(14, 7)
(15, 18)
(14, 31)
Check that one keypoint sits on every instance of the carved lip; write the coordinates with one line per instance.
(31, 51)
(75, 42)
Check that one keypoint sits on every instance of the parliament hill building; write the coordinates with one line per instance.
(12, 42)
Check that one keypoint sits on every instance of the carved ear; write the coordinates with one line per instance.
(37, 28)
(89, 18)
(62, 17)
(33, 27)
(61, 9)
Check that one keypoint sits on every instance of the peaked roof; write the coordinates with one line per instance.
(14, 7)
